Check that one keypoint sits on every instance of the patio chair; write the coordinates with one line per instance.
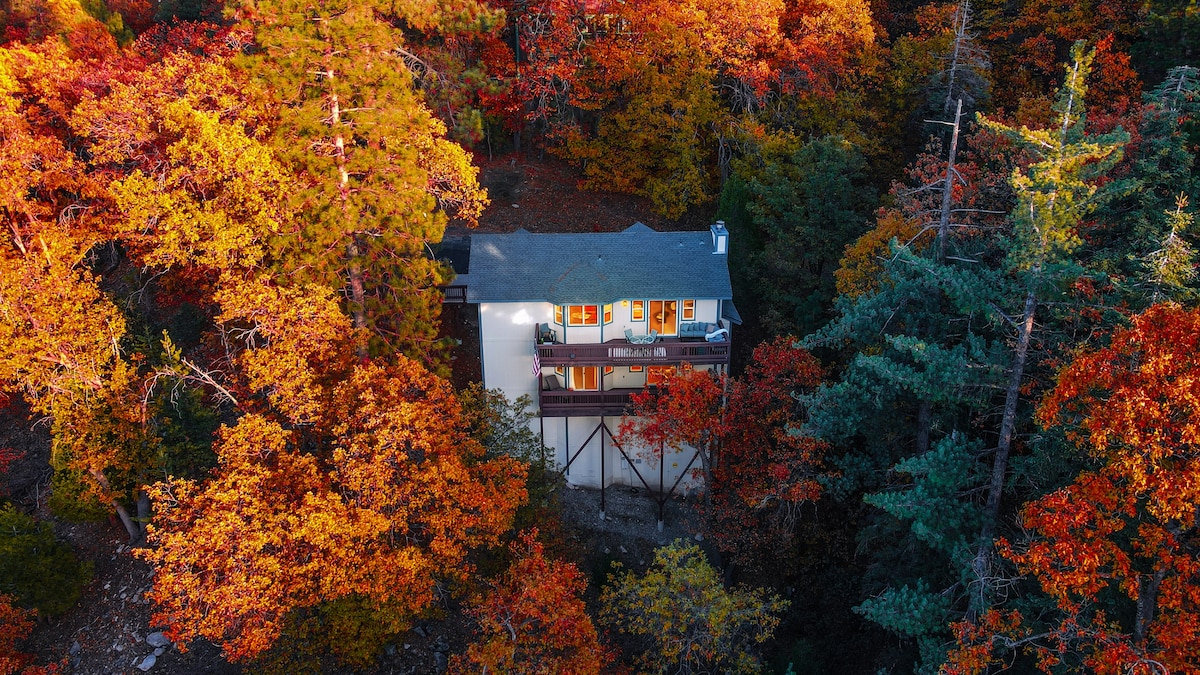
(653, 335)
(629, 335)
(546, 335)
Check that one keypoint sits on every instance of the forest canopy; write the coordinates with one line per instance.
(959, 435)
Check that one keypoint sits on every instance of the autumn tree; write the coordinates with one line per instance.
(533, 621)
(758, 468)
(341, 502)
(1113, 552)
(684, 620)
(15, 625)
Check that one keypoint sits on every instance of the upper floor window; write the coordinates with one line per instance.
(558, 314)
(689, 311)
(583, 315)
(638, 312)
(608, 314)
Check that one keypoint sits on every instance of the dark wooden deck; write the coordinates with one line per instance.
(566, 403)
(621, 353)
(454, 294)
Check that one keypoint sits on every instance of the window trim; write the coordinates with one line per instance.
(638, 311)
(687, 312)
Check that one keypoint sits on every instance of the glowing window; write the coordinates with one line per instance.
(583, 315)
(662, 317)
(558, 316)
(639, 310)
(585, 378)
(689, 310)
(656, 374)
(608, 314)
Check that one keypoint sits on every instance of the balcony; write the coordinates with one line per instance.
(621, 353)
(567, 403)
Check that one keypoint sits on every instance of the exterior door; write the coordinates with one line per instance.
(663, 317)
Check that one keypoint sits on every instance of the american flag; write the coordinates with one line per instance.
(537, 360)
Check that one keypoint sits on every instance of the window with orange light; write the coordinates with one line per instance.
(583, 315)
(655, 375)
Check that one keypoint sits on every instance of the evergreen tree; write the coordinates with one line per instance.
(378, 177)
(944, 341)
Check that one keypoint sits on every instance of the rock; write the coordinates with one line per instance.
(157, 639)
(440, 644)
(622, 549)
(75, 648)
(389, 649)
(420, 630)
(160, 651)
(147, 663)
(440, 662)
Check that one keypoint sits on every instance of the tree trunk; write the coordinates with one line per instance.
(143, 510)
(948, 188)
(1147, 604)
(131, 526)
(1008, 423)
(924, 422)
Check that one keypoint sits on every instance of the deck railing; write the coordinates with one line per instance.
(565, 403)
(622, 353)
(454, 294)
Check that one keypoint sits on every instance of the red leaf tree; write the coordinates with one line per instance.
(534, 622)
(1116, 550)
(758, 468)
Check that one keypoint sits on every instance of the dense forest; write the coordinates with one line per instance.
(962, 436)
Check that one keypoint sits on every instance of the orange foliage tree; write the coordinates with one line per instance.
(345, 495)
(534, 622)
(15, 624)
(1115, 552)
(757, 467)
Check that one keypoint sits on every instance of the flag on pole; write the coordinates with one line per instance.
(537, 360)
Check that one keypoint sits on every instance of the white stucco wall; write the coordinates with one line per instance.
(506, 332)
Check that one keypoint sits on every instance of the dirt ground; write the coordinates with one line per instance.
(107, 631)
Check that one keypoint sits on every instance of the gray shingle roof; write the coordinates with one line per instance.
(595, 267)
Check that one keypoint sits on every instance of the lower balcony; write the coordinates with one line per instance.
(623, 353)
(568, 403)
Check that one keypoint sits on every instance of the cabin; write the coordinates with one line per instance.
(580, 321)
